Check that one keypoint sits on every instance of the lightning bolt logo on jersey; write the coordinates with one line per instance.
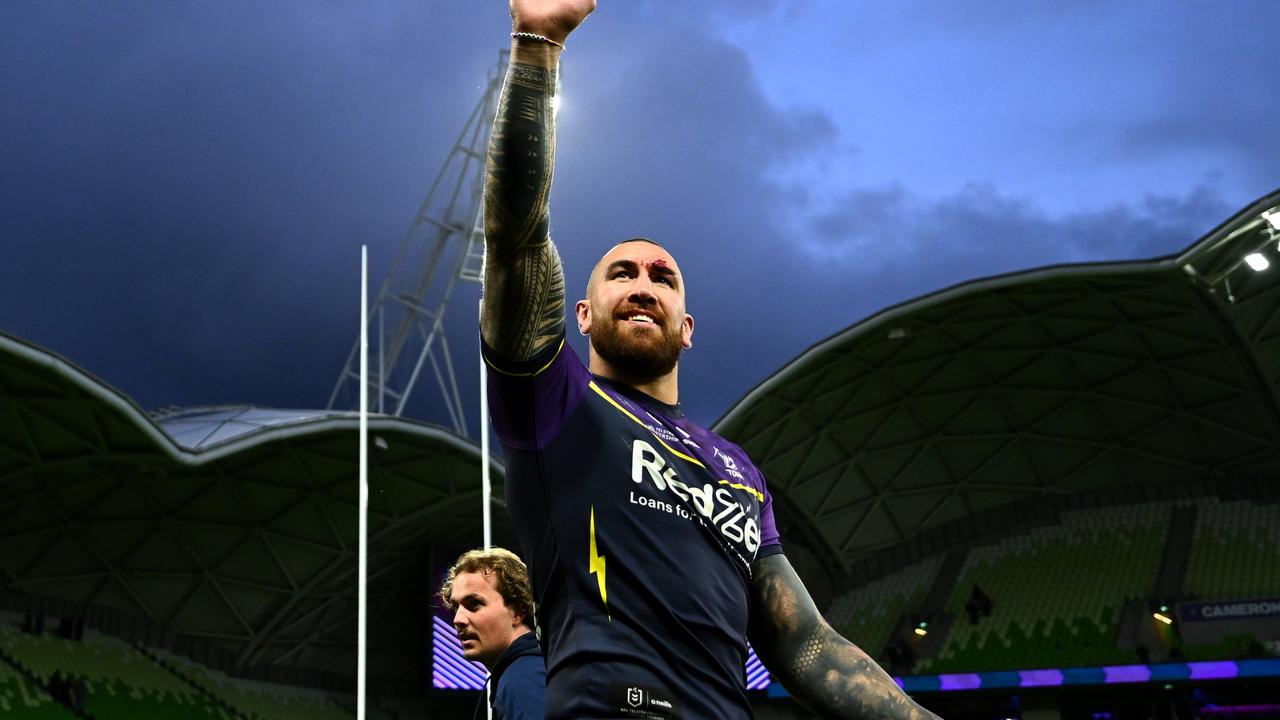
(639, 528)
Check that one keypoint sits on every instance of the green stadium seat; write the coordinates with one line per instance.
(262, 701)
(867, 616)
(1235, 552)
(1056, 592)
(123, 682)
(120, 682)
(20, 698)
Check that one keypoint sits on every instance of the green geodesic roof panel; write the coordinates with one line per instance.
(1050, 381)
(235, 525)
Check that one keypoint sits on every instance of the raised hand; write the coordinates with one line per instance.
(552, 18)
(523, 311)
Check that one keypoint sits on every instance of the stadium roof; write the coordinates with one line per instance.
(1039, 383)
(236, 525)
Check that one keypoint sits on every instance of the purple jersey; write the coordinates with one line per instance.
(639, 528)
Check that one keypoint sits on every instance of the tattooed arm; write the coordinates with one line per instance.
(827, 673)
(523, 308)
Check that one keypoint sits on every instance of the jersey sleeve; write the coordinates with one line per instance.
(770, 540)
(530, 401)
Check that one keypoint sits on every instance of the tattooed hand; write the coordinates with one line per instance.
(827, 673)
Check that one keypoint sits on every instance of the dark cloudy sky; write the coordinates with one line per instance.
(184, 186)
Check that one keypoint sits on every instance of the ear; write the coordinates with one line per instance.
(582, 309)
(686, 331)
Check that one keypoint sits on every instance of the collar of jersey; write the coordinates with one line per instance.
(648, 401)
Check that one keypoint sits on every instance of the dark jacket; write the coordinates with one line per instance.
(518, 683)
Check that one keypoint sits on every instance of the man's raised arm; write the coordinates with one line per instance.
(827, 673)
(523, 309)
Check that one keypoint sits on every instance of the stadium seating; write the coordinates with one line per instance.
(1235, 553)
(262, 701)
(21, 698)
(867, 615)
(122, 682)
(119, 681)
(1057, 592)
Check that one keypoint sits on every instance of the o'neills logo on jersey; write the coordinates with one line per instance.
(717, 505)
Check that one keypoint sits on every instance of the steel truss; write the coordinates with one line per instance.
(444, 244)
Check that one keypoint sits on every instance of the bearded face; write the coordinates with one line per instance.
(635, 313)
(643, 350)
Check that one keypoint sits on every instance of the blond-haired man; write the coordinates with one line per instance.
(488, 593)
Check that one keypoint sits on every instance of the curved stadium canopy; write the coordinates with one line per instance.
(1034, 384)
(233, 525)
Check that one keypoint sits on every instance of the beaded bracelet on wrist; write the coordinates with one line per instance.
(539, 38)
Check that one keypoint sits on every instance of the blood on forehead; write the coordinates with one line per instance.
(658, 262)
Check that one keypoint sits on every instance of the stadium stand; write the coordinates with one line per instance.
(121, 681)
(868, 615)
(263, 701)
(118, 680)
(1235, 555)
(1236, 552)
(1057, 592)
(20, 697)
(223, 534)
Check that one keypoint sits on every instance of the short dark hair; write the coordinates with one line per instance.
(511, 579)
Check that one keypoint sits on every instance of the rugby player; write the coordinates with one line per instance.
(650, 540)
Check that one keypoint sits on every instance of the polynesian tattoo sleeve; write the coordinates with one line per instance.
(827, 673)
(523, 307)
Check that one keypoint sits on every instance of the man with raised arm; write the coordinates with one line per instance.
(650, 540)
